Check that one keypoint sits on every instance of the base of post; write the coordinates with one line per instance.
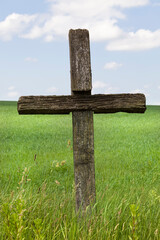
(84, 167)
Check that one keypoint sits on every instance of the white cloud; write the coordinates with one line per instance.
(140, 91)
(14, 25)
(34, 32)
(113, 65)
(99, 84)
(13, 94)
(11, 88)
(49, 38)
(136, 91)
(99, 17)
(140, 40)
(104, 88)
(147, 86)
(111, 90)
(72, 6)
(104, 30)
(51, 90)
(159, 87)
(30, 59)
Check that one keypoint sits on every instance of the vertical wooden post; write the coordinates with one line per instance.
(83, 132)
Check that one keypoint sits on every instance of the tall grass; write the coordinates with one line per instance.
(37, 179)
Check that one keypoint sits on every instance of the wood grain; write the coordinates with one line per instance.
(100, 103)
(83, 154)
(81, 79)
(82, 121)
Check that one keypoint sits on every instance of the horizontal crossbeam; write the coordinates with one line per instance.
(100, 103)
(132, 103)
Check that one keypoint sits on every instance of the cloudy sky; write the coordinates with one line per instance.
(34, 49)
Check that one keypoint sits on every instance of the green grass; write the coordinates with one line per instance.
(37, 195)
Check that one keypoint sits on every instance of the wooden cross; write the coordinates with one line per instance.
(82, 105)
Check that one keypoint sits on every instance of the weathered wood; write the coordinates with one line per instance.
(82, 105)
(83, 153)
(80, 60)
(111, 103)
(83, 132)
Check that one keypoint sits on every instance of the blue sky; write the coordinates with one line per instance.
(34, 49)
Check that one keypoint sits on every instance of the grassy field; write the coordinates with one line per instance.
(37, 178)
